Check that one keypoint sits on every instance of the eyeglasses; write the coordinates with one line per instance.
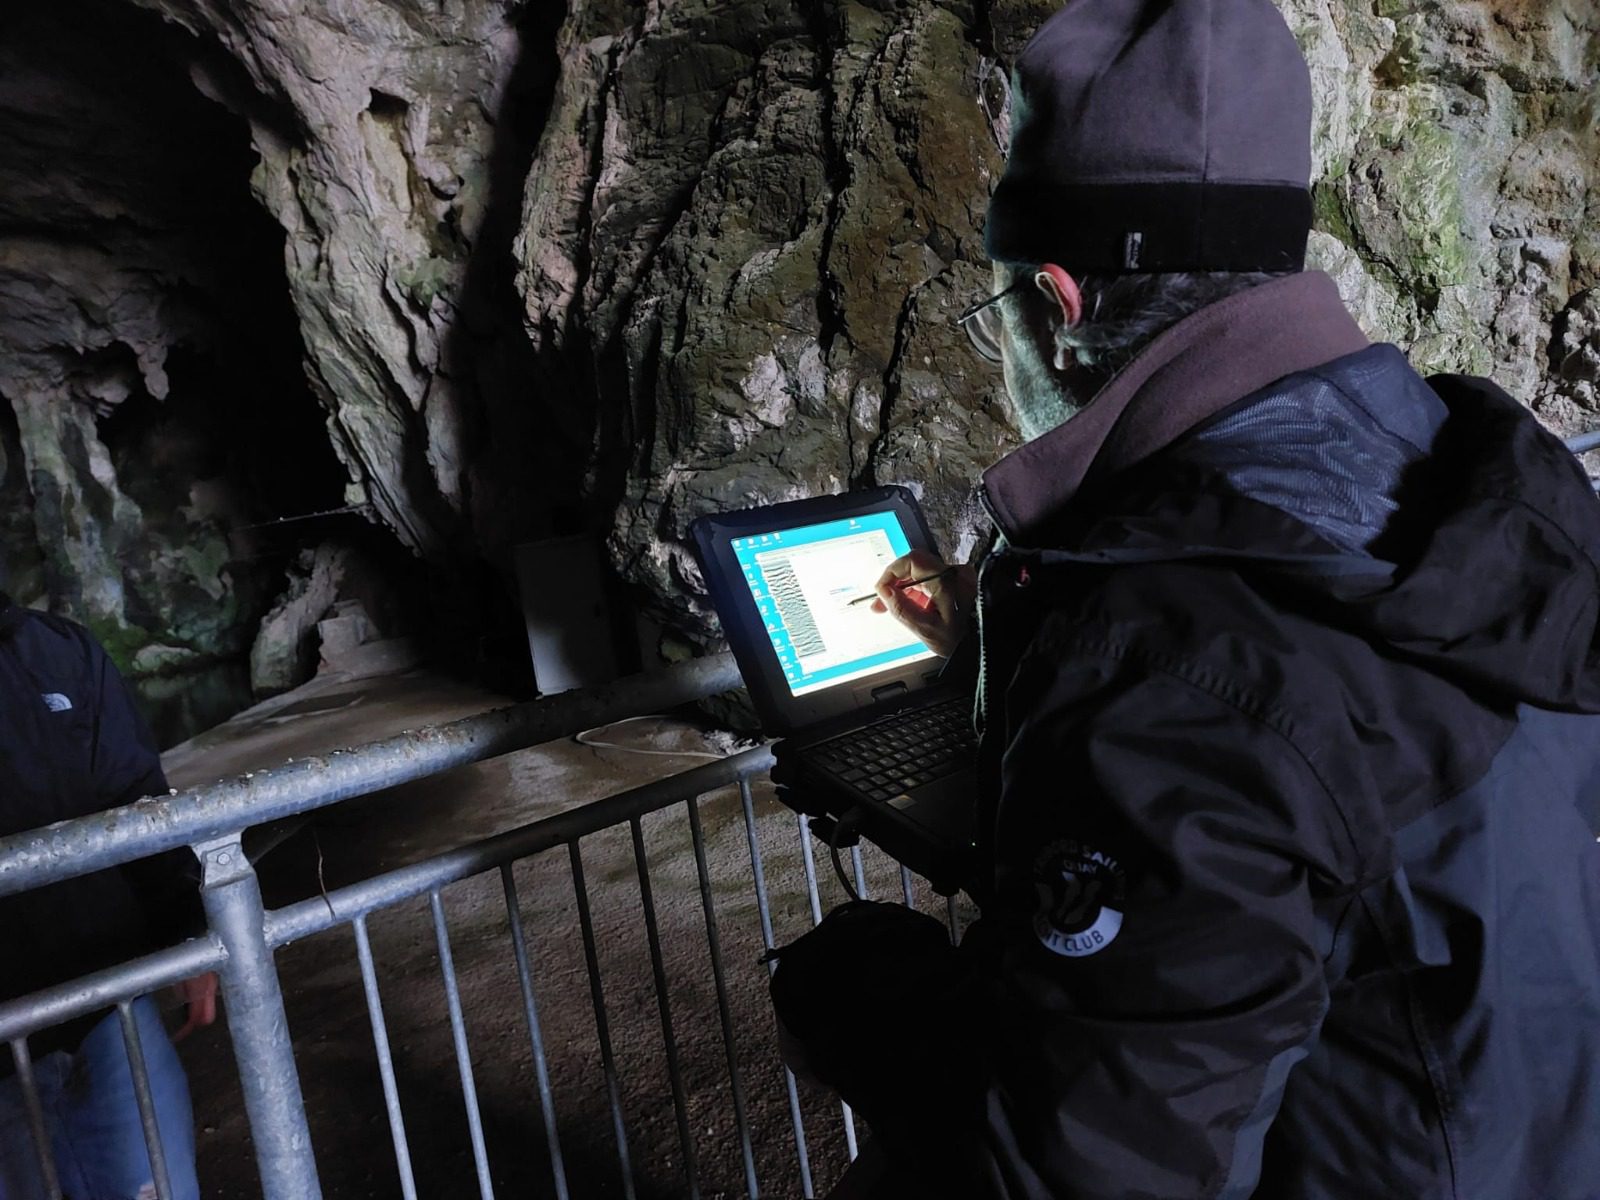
(982, 322)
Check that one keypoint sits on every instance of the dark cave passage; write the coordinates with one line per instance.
(157, 424)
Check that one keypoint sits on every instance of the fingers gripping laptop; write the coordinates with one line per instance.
(874, 730)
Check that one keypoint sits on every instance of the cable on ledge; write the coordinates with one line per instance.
(585, 739)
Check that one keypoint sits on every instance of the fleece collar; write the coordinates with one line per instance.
(1204, 363)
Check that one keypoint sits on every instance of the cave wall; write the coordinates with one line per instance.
(769, 211)
(610, 264)
(140, 385)
(382, 128)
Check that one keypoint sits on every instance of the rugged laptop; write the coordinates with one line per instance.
(874, 729)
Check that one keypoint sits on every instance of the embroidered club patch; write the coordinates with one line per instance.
(1079, 889)
(56, 702)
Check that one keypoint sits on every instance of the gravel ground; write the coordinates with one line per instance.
(328, 1015)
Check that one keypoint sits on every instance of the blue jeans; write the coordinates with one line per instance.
(93, 1119)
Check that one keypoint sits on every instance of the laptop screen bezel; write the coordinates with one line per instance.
(780, 710)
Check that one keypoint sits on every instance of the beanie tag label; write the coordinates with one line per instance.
(1132, 249)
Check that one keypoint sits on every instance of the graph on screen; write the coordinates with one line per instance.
(803, 581)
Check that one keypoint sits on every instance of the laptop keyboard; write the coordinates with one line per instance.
(904, 751)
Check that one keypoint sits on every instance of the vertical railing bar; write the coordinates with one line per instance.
(849, 1129)
(541, 1067)
(380, 1044)
(659, 970)
(739, 1115)
(860, 872)
(905, 887)
(811, 869)
(954, 919)
(458, 1029)
(145, 1099)
(764, 909)
(816, 919)
(601, 1025)
(30, 1100)
(263, 1048)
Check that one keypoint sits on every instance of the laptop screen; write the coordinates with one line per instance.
(803, 580)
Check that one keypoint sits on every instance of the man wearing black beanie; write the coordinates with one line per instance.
(1290, 701)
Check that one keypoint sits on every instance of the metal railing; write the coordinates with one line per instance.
(1586, 443)
(1583, 443)
(243, 935)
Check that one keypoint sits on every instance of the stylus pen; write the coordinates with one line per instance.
(900, 585)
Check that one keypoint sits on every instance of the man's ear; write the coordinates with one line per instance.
(1063, 289)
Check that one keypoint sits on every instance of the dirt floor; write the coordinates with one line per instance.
(328, 1015)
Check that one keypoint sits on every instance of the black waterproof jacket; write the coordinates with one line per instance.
(72, 743)
(1291, 886)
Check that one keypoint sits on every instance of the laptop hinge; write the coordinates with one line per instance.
(897, 688)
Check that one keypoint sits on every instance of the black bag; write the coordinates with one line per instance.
(861, 997)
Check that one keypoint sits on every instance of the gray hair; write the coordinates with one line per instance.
(1122, 314)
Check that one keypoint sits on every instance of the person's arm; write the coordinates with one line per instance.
(1135, 1004)
(126, 766)
(124, 761)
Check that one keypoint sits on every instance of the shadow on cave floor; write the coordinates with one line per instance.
(327, 1012)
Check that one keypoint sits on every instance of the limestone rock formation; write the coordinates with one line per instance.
(285, 650)
(611, 264)
(1458, 148)
(772, 240)
(765, 269)
(122, 331)
(374, 123)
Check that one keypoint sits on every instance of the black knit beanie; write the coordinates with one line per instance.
(1157, 135)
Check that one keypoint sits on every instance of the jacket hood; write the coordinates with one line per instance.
(1199, 366)
(1489, 575)
(1496, 580)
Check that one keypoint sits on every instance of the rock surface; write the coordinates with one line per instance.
(773, 241)
(765, 269)
(374, 124)
(146, 402)
(611, 267)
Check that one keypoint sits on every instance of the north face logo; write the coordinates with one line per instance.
(56, 702)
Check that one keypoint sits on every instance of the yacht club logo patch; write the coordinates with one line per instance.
(1079, 890)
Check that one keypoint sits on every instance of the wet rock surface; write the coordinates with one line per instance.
(150, 389)
(776, 258)
(611, 267)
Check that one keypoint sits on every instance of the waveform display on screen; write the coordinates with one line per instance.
(803, 581)
(793, 610)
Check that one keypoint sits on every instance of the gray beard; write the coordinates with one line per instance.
(1040, 397)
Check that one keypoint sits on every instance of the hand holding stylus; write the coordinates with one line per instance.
(929, 597)
(899, 585)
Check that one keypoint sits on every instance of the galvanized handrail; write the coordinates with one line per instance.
(242, 936)
(86, 844)
(103, 989)
(1583, 443)
(344, 904)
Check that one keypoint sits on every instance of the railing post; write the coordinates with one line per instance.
(256, 1022)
